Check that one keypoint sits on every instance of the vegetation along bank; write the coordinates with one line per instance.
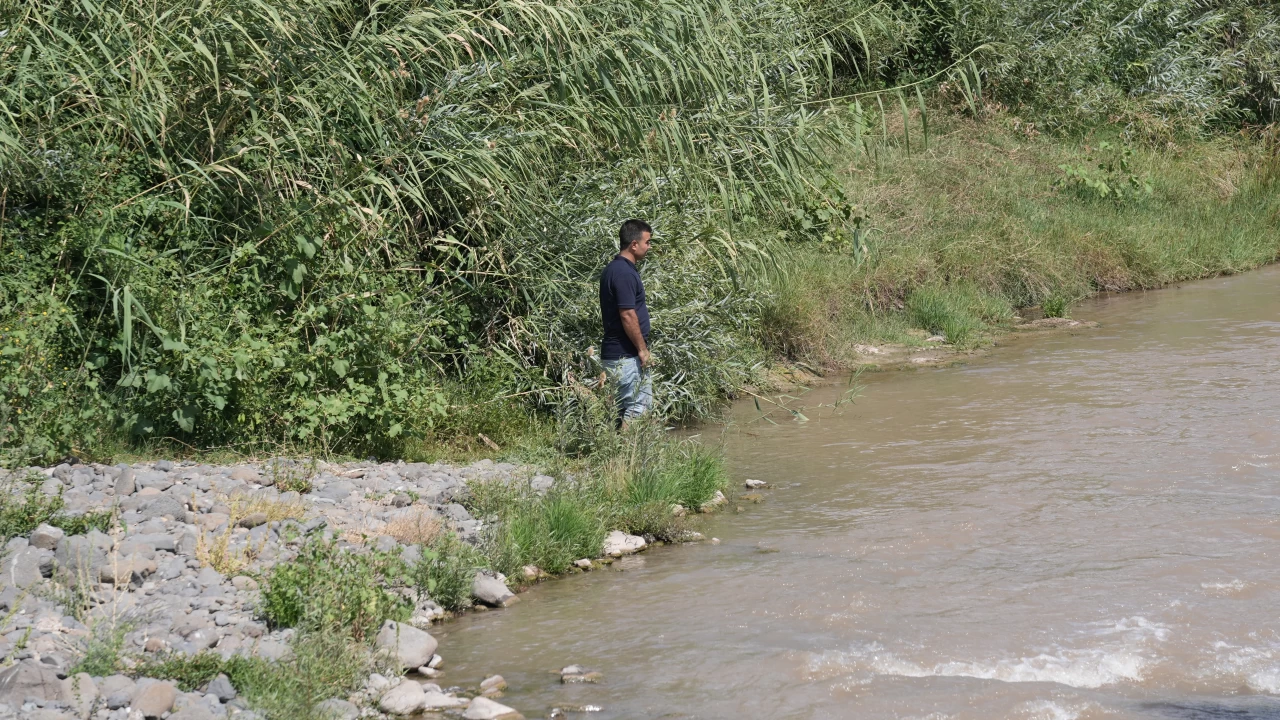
(312, 228)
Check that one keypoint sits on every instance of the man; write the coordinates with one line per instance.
(625, 350)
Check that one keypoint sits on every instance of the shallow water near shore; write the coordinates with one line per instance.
(1073, 526)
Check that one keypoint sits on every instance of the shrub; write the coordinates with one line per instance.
(327, 588)
(446, 572)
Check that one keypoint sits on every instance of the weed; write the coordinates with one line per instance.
(1056, 306)
(941, 312)
(326, 588)
(320, 666)
(288, 476)
(446, 571)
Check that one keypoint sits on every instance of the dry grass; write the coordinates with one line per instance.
(418, 527)
(243, 506)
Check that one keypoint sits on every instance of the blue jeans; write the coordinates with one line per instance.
(632, 385)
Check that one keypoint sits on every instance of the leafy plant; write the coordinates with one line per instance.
(326, 588)
(1112, 179)
(446, 571)
(1056, 306)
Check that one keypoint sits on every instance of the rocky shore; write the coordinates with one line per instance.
(172, 558)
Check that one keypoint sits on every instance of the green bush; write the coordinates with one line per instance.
(446, 572)
(327, 588)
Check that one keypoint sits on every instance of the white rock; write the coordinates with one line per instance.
(716, 501)
(411, 646)
(584, 563)
(618, 543)
(755, 484)
(483, 708)
(433, 700)
(491, 591)
(404, 699)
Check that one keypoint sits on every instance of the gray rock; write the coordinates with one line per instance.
(491, 591)
(125, 484)
(542, 483)
(412, 647)
(152, 479)
(29, 679)
(163, 465)
(401, 500)
(253, 520)
(492, 684)
(482, 708)
(162, 506)
(80, 693)
(220, 687)
(51, 486)
(46, 537)
(404, 699)
(154, 698)
(158, 541)
(117, 691)
(202, 639)
(337, 709)
(337, 490)
(22, 569)
(457, 512)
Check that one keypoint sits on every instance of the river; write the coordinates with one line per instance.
(1071, 526)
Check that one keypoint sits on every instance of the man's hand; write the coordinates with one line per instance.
(645, 357)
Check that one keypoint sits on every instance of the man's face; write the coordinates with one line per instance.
(640, 248)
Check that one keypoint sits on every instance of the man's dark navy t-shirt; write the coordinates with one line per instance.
(621, 289)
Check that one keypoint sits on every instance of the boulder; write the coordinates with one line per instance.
(117, 691)
(493, 685)
(46, 537)
(80, 693)
(162, 506)
(246, 474)
(253, 520)
(29, 679)
(220, 687)
(433, 700)
(21, 570)
(482, 708)
(618, 543)
(336, 709)
(154, 699)
(403, 699)
(153, 479)
(412, 647)
(491, 591)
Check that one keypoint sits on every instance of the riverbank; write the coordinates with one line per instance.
(211, 591)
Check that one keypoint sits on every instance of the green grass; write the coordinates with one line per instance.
(981, 224)
(320, 666)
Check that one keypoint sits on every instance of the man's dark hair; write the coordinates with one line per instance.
(631, 231)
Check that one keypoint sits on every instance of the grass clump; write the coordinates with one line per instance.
(327, 588)
(320, 666)
(446, 571)
(24, 506)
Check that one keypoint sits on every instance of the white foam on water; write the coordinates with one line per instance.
(1258, 667)
(1224, 588)
(1047, 710)
(1118, 653)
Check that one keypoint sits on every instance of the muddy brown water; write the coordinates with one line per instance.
(1073, 526)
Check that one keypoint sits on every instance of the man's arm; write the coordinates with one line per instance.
(631, 326)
